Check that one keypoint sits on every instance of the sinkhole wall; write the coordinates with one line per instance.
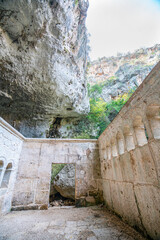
(130, 159)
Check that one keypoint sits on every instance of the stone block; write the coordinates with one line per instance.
(126, 167)
(59, 158)
(28, 170)
(75, 149)
(81, 171)
(144, 167)
(155, 150)
(96, 169)
(117, 175)
(25, 185)
(73, 158)
(107, 194)
(42, 197)
(148, 200)
(124, 202)
(23, 198)
(47, 150)
(100, 184)
(44, 172)
(90, 200)
(43, 184)
(108, 173)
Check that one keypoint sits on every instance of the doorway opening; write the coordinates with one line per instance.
(62, 186)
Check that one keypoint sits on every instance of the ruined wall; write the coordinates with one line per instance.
(34, 173)
(130, 159)
(10, 148)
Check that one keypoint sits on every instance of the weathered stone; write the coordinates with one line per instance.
(121, 72)
(129, 164)
(90, 200)
(64, 182)
(29, 183)
(43, 56)
(130, 168)
(23, 208)
(44, 207)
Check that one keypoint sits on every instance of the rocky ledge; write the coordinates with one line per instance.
(43, 55)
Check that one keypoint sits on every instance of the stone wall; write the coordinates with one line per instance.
(130, 159)
(10, 148)
(25, 169)
(34, 173)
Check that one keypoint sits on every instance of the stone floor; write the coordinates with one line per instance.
(92, 223)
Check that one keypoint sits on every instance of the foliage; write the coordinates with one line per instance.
(82, 135)
(101, 114)
(97, 88)
(76, 2)
(97, 109)
(119, 102)
(56, 168)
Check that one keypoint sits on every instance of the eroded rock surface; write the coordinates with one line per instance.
(64, 182)
(43, 54)
(117, 75)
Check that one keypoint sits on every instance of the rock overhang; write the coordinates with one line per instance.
(43, 59)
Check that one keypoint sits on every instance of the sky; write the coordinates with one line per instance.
(119, 26)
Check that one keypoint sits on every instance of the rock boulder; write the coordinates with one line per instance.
(64, 182)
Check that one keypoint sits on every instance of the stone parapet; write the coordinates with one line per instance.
(130, 163)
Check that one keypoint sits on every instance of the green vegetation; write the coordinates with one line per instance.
(56, 168)
(97, 88)
(100, 116)
(76, 2)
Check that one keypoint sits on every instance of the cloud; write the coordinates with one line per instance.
(122, 25)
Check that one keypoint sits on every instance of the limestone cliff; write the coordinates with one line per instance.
(117, 75)
(108, 78)
(43, 55)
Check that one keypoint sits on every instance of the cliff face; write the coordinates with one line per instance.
(108, 78)
(43, 55)
(117, 75)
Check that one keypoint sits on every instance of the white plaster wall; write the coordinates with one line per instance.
(10, 148)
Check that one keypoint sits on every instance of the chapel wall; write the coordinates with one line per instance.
(10, 147)
(32, 186)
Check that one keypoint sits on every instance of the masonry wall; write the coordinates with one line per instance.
(10, 148)
(130, 159)
(34, 173)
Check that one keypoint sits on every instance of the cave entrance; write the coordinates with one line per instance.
(62, 186)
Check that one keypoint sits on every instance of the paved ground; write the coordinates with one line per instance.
(92, 223)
